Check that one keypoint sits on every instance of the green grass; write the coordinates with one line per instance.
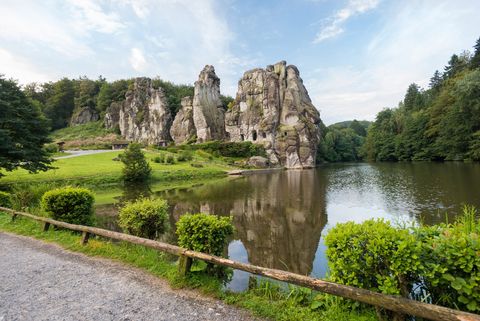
(85, 131)
(266, 300)
(102, 169)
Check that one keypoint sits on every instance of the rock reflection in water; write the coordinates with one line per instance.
(278, 217)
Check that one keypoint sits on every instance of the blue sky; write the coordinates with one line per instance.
(355, 56)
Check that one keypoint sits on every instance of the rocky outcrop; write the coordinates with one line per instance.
(272, 107)
(112, 115)
(144, 115)
(183, 128)
(84, 115)
(208, 115)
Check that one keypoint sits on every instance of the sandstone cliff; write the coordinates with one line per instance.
(144, 115)
(183, 128)
(272, 107)
(84, 115)
(208, 115)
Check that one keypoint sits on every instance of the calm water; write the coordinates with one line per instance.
(280, 217)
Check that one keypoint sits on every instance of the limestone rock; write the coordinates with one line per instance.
(208, 115)
(258, 162)
(183, 128)
(144, 115)
(84, 115)
(272, 107)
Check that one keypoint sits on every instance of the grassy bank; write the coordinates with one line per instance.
(265, 300)
(92, 135)
(104, 168)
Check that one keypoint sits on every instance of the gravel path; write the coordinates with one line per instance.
(40, 281)
(76, 153)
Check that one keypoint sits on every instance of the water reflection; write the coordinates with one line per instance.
(279, 217)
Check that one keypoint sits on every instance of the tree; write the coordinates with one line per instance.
(111, 92)
(475, 61)
(358, 128)
(23, 131)
(59, 106)
(436, 81)
(413, 98)
(136, 167)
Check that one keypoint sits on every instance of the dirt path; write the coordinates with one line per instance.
(76, 153)
(40, 281)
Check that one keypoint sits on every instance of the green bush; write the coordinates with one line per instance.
(185, 156)
(27, 197)
(373, 255)
(451, 257)
(145, 217)
(136, 167)
(69, 204)
(159, 159)
(5, 199)
(442, 261)
(51, 148)
(170, 159)
(204, 233)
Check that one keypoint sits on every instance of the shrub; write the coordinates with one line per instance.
(452, 262)
(185, 156)
(51, 148)
(159, 159)
(170, 159)
(144, 218)
(204, 233)
(373, 255)
(5, 199)
(442, 261)
(69, 204)
(28, 197)
(136, 167)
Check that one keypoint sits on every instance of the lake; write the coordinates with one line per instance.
(280, 217)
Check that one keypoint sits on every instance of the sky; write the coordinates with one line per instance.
(355, 57)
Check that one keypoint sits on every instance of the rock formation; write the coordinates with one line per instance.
(144, 115)
(208, 115)
(272, 107)
(84, 115)
(183, 128)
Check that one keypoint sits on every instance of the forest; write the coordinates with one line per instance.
(439, 123)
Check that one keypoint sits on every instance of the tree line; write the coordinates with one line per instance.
(441, 122)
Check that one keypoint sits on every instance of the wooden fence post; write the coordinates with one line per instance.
(46, 226)
(184, 265)
(85, 237)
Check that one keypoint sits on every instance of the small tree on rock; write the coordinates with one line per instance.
(136, 167)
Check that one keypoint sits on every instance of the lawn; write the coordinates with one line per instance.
(103, 168)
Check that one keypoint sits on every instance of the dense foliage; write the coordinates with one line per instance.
(23, 131)
(5, 199)
(439, 123)
(136, 167)
(439, 264)
(204, 233)
(69, 204)
(342, 142)
(145, 217)
(226, 149)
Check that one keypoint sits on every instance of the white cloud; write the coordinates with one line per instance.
(16, 67)
(333, 26)
(30, 25)
(137, 60)
(89, 15)
(416, 39)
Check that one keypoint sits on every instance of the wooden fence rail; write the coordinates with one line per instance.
(389, 302)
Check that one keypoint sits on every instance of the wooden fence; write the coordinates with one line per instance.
(389, 302)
